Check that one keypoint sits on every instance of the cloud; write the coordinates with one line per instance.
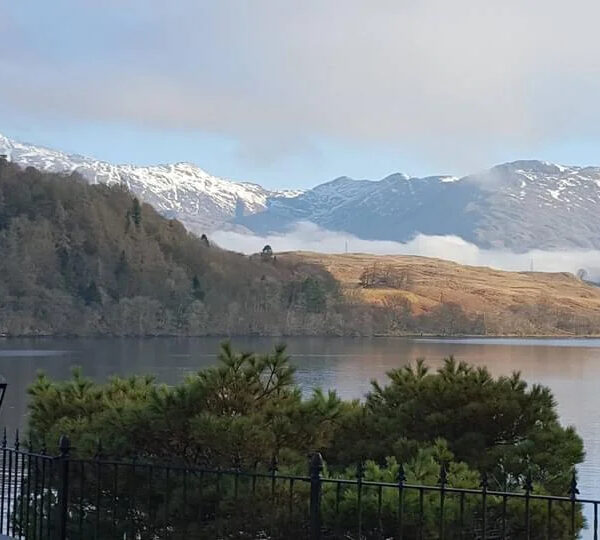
(448, 80)
(307, 236)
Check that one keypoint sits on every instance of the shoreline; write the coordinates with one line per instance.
(307, 336)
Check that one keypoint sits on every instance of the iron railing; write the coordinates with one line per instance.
(65, 497)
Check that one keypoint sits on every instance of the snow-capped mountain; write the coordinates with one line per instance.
(183, 190)
(518, 206)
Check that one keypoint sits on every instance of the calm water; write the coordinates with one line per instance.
(571, 368)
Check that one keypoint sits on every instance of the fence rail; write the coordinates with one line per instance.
(65, 497)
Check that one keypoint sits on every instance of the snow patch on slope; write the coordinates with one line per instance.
(181, 190)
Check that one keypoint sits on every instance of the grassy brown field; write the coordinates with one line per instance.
(532, 303)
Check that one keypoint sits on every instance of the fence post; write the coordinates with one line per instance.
(316, 466)
(573, 492)
(63, 487)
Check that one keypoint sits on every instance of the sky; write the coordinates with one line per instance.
(295, 93)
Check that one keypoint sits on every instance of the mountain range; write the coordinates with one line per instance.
(517, 206)
(183, 191)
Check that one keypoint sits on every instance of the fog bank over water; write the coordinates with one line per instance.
(306, 236)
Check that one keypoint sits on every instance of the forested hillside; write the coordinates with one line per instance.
(82, 259)
(90, 259)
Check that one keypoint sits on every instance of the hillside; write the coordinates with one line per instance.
(84, 259)
(503, 303)
(91, 260)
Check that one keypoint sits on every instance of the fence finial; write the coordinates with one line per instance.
(360, 470)
(484, 481)
(316, 465)
(573, 489)
(17, 444)
(528, 485)
(4, 438)
(274, 466)
(401, 476)
(443, 479)
(64, 445)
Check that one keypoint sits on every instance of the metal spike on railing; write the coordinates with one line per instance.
(360, 470)
(17, 444)
(443, 478)
(44, 447)
(573, 489)
(401, 477)
(274, 466)
(64, 446)
(484, 481)
(4, 440)
(315, 465)
(528, 484)
(30, 445)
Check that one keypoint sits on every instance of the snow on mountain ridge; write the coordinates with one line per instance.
(181, 190)
(516, 206)
(520, 205)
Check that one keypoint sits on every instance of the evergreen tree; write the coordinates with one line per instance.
(122, 275)
(197, 291)
(91, 294)
(248, 409)
(267, 253)
(136, 212)
(315, 295)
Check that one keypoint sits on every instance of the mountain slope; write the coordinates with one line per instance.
(83, 259)
(518, 206)
(89, 259)
(182, 191)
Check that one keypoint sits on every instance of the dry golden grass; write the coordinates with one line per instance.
(475, 289)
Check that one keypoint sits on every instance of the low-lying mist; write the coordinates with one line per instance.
(306, 236)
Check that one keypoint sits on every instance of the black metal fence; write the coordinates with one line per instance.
(60, 497)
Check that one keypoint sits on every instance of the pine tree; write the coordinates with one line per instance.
(122, 275)
(136, 212)
(267, 253)
(91, 294)
(197, 291)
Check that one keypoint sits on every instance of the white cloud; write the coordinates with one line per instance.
(449, 80)
(310, 237)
